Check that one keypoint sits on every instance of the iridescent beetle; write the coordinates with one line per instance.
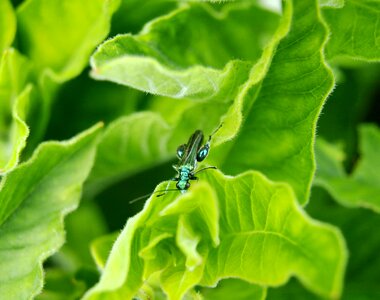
(189, 155)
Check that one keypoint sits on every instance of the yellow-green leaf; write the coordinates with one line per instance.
(15, 99)
(7, 24)
(262, 236)
(60, 35)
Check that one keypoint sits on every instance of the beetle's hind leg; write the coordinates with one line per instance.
(167, 186)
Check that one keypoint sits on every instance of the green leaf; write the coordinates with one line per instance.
(220, 230)
(7, 24)
(329, 161)
(75, 253)
(292, 290)
(133, 14)
(31, 213)
(15, 100)
(355, 30)
(362, 187)
(332, 3)
(144, 140)
(63, 47)
(200, 65)
(185, 115)
(139, 141)
(235, 289)
(101, 248)
(281, 110)
(60, 286)
(271, 230)
(361, 280)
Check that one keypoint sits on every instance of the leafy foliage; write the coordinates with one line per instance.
(63, 47)
(16, 100)
(262, 69)
(354, 30)
(32, 228)
(362, 187)
(7, 24)
(284, 107)
(231, 244)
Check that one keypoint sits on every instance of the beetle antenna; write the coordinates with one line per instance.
(215, 131)
(170, 190)
(210, 167)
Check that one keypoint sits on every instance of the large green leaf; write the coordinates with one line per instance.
(185, 116)
(7, 24)
(59, 50)
(246, 227)
(139, 141)
(363, 243)
(362, 187)
(200, 65)
(15, 99)
(280, 111)
(355, 30)
(144, 140)
(63, 46)
(31, 213)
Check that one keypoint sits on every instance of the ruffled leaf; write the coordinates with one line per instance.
(15, 100)
(362, 187)
(262, 236)
(185, 115)
(280, 106)
(200, 65)
(31, 213)
(265, 98)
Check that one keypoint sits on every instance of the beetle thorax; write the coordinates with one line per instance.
(184, 173)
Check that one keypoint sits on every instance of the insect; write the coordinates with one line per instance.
(189, 155)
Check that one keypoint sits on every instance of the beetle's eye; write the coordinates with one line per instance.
(203, 152)
(187, 185)
(181, 150)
